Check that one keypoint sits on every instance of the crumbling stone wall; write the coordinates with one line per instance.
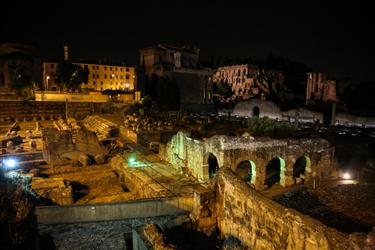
(184, 151)
(260, 223)
(55, 143)
(59, 143)
(87, 142)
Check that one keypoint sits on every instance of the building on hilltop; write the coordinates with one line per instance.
(249, 81)
(180, 64)
(102, 76)
(319, 88)
(163, 59)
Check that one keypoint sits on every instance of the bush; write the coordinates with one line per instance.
(268, 127)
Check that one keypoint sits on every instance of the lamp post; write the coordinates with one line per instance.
(113, 81)
(47, 82)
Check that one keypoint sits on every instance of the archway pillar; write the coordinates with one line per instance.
(205, 173)
(258, 178)
(286, 172)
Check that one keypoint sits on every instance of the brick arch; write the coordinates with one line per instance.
(302, 165)
(212, 167)
(276, 170)
(253, 168)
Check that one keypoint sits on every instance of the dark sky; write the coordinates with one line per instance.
(332, 36)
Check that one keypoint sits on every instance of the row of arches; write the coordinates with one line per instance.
(233, 72)
(246, 170)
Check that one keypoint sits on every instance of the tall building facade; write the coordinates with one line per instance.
(181, 64)
(101, 76)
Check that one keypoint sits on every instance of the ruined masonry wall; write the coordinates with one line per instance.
(261, 223)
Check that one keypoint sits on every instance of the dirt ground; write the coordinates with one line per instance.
(348, 207)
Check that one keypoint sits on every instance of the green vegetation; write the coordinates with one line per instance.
(22, 75)
(222, 94)
(223, 89)
(70, 76)
(17, 220)
(268, 127)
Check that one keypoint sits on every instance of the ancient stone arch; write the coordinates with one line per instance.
(302, 167)
(247, 171)
(213, 165)
(275, 171)
(256, 111)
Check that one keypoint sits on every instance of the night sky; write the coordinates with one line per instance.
(335, 37)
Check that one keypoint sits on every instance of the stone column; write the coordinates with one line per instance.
(286, 172)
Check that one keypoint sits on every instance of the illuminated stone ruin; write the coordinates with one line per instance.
(261, 162)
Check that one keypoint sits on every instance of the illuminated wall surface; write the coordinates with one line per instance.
(101, 77)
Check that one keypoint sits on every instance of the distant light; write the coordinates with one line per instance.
(132, 160)
(346, 176)
(10, 163)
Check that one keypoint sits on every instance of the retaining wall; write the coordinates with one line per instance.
(112, 211)
(261, 223)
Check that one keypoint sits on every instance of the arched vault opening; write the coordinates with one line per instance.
(273, 170)
(246, 170)
(301, 166)
(213, 165)
(256, 111)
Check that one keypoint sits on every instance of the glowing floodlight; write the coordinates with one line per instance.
(131, 160)
(10, 163)
(346, 176)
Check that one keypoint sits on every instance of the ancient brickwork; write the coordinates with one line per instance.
(184, 151)
(59, 147)
(260, 223)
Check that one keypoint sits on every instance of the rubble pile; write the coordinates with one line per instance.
(141, 123)
(155, 237)
(53, 189)
(60, 148)
(103, 128)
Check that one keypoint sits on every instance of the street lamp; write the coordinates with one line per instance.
(47, 82)
(113, 81)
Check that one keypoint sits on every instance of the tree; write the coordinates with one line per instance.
(223, 89)
(21, 72)
(71, 76)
